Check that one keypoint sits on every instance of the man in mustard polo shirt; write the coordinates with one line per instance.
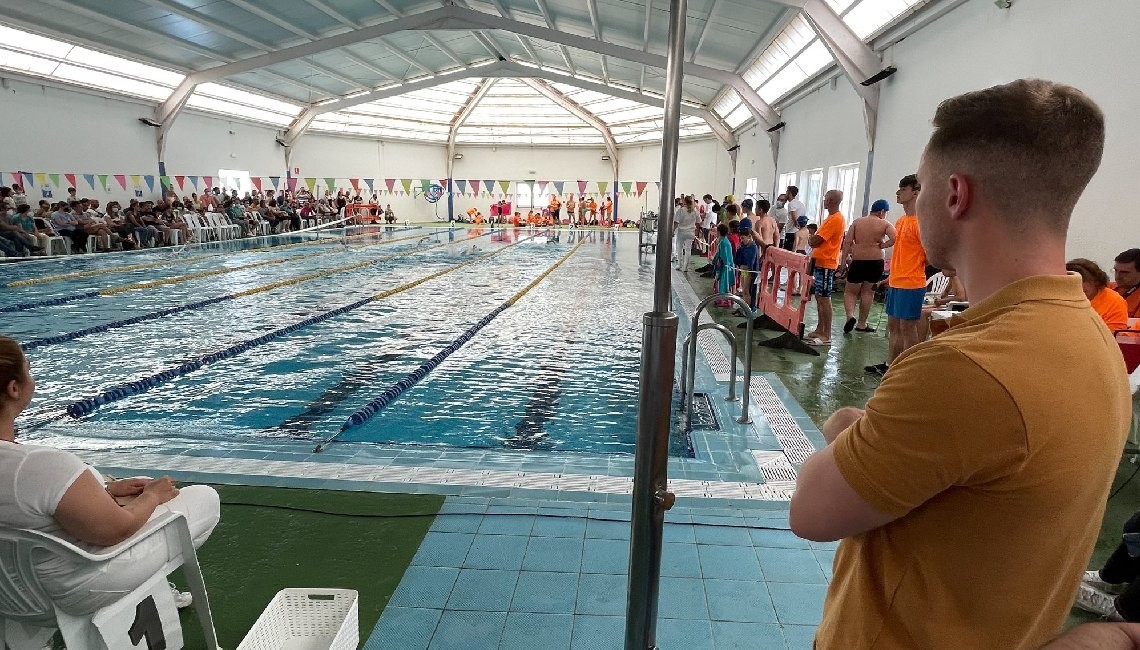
(968, 498)
(825, 245)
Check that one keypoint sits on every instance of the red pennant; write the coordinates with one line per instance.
(181, 180)
(641, 187)
(256, 180)
(355, 184)
(209, 182)
(582, 187)
(390, 183)
(122, 179)
(70, 179)
(474, 187)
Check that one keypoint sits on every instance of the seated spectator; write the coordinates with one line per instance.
(1110, 305)
(67, 225)
(57, 493)
(120, 226)
(1114, 590)
(389, 214)
(1127, 272)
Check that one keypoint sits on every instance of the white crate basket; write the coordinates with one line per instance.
(307, 619)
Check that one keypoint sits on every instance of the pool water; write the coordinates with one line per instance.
(556, 372)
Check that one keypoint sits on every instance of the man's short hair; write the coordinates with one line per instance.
(793, 191)
(764, 206)
(746, 204)
(1130, 256)
(910, 181)
(1031, 145)
(732, 209)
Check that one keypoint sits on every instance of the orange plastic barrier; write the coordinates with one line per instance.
(363, 212)
(786, 315)
(1130, 348)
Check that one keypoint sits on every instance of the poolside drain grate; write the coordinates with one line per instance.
(704, 416)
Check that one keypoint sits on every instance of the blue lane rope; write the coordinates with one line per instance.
(393, 392)
(25, 306)
(127, 389)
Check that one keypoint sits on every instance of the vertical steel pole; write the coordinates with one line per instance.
(658, 360)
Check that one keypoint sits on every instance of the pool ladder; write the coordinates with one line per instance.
(689, 358)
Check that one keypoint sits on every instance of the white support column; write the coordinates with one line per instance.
(581, 113)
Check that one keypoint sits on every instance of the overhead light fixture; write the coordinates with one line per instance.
(281, 141)
(879, 76)
(459, 156)
(734, 147)
(605, 157)
(150, 122)
(777, 127)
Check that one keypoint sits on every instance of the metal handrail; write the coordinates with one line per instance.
(687, 379)
(691, 353)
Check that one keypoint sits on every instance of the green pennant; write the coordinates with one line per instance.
(407, 183)
(330, 183)
(104, 177)
(626, 187)
(506, 186)
(311, 183)
(54, 179)
(425, 184)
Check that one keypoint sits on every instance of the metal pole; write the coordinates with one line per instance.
(658, 360)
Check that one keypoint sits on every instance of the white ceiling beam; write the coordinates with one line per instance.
(581, 113)
(309, 36)
(704, 32)
(438, 44)
(526, 44)
(720, 129)
(595, 22)
(859, 62)
(548, 17)
(645, 41)
(461, 117)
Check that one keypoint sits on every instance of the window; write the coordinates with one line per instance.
(789, 178)
(811, 185)
(523, 197)
(751, 187)
(845, 178)
(235, 179)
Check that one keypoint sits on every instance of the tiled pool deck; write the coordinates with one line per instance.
(531, 548)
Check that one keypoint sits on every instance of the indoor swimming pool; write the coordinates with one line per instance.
(288, 342)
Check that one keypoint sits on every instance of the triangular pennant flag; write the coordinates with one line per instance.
(193, 181)
(390, 183)
(256, 180)
(602, 185)
(208, 182)
(90, 178)
(582, 187)
(149, 182)
(163, 180)
(641, 187)
(626, 186)
(505, 185)
(425, 184)
(103, 178)
(407, 184)
(276, 180)
(488, 186)
(292, 184)
(70, 179)
(474, 187)
(122, 179)
(54, 179)
(355, 183)
(16, 177)
(658, 185)
(29, 179)
(369, 182)
(311, 183)
(462, 185)
(136, 180)
(330, 183)
(558, 185)
(181, 180)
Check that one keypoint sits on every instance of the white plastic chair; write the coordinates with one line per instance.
(49, 244)
(26, 606)
(936, 285)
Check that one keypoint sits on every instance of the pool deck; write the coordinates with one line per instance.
(531, 549)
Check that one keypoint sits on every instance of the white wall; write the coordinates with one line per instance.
(975, 46)
(703, 167)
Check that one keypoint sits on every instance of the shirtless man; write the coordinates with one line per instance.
(765, 226)
(862, 253)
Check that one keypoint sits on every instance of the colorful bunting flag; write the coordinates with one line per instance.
(626, 186)
(641, 187)
(70, 180)
(276, 180)
(425, 185)
(136, 180)
(256, 180)
(149, 182)
(488, 186)
(90, 178)
(407, 184)
(369, 182)
(506, 186)
(54, 179)
(181, 180)
(292, 184)
(390, 183)
(355, 183)
(602, 186)
(28, 179)
(193, 182)
(558, 185)
(462, 185)
(330, 183)
(122, 179)
(163, 180)
(582, 187)
(311, 183)
(207, 181)
(474, 187)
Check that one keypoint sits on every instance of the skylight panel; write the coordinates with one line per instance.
(125, 67)
(105, 80)
(249, 99)
(27, 62)
(738, 116)
(807, 64)
(33, 43)
(867, 16)
(633, 114)
(224, 107)
(725, 103)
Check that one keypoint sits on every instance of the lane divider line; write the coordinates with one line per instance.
(393, 392)
(127, 389)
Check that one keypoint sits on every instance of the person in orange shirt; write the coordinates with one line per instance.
(1127, 272)
(555, 208)
(592, 206)
(825, 244)
(907, 282)
(1108, 304)
(607, 208)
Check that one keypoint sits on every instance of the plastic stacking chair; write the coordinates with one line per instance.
(28, 617)
(50, 244)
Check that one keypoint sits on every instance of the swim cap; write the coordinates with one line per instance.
(880, 206)
(802, 221)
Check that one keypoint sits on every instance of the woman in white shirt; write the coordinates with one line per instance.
(684, 225)
(53, 491)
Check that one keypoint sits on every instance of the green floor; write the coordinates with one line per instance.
(836, 379)
(278, 541)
